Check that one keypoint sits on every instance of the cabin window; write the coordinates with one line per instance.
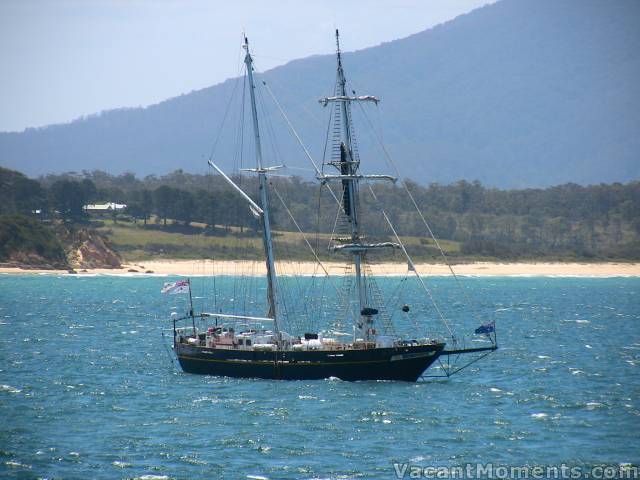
(248, 342)
(240, 342)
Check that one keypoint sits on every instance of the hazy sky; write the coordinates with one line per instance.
(63, 59)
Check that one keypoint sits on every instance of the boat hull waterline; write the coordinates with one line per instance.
(403, 363)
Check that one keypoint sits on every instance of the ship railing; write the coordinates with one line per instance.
(236, 317)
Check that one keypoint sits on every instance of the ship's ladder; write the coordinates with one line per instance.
(378, 302)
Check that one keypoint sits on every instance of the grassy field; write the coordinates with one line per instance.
(136, 243)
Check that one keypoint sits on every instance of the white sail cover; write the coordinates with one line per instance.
(346, 98)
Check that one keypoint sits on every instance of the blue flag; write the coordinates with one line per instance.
(487, 328)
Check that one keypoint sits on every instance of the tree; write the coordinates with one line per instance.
(207, 208)
(164, 199)
(68, 197)
(140, 205)
(111, 194)
(19, 193)
(184, 206)
(135, 210)
(89, 191)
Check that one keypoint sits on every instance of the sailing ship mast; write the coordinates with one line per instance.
(348, 165)
(264, 196)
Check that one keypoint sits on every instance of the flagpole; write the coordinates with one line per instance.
(495, 334)
(193, 318)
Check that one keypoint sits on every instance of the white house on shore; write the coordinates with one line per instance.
(109, 207)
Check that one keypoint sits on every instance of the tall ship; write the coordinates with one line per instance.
(242, 343)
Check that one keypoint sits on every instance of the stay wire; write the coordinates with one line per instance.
(420, 279)
(224, 117)
(295, 134)
(315, 255)
(422, 217)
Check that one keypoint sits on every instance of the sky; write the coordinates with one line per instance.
(60, 60)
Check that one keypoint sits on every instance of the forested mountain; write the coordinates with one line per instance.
(521, 93)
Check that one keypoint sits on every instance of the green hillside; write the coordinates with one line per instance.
(136, 242)
(25, 241)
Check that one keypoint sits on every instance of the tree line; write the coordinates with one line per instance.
(597, 221)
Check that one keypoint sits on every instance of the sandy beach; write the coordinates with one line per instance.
(243, 267)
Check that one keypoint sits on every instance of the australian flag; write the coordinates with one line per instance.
(487, 328)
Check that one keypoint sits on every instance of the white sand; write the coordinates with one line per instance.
(199, 267)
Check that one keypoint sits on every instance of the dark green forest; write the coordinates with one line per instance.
(565, 222)
(20, 233)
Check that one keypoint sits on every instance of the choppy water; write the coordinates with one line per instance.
(87, 390)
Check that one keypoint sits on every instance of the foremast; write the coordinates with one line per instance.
(264, 197)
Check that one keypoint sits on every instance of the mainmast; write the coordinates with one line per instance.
(348, 166)
(264, 197)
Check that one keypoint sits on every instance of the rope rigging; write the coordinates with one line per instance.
(338, 199)
(339, 202)
(243, 345)
(391, 162)
(420, 279)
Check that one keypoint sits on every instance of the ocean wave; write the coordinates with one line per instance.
(9, 388)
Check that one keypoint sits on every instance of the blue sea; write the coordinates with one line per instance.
(88, 388)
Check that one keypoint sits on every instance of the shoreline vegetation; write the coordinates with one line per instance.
(249, 267)
(98, 222)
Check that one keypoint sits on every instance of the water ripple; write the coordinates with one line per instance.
(87, 390)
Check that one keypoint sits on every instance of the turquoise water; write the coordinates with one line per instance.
(88, 389)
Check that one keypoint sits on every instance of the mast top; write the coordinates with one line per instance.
(245, 47)
(338, 49)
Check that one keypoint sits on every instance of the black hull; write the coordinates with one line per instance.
(398, 363)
